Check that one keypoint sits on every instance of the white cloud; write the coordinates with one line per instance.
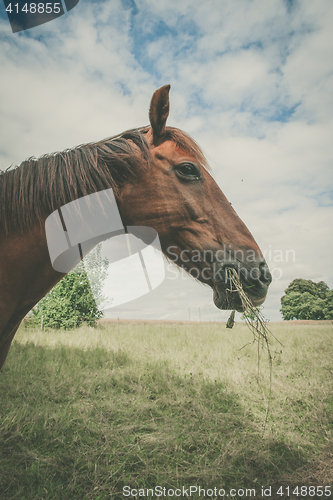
(175, 296)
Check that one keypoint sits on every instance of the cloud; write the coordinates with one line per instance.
(174, 296)
(68, 84)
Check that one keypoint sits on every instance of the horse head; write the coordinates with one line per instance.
(198, 228)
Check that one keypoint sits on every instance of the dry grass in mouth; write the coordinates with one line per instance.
(254, 319)
(257, 325)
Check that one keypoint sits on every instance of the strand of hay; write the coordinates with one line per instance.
(253, 316)
(257, 325)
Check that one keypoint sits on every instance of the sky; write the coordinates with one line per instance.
(251, 82)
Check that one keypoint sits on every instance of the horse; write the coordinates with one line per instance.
(160, 179)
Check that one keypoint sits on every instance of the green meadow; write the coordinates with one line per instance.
(115, 411)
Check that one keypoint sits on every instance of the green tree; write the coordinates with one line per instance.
(73, 300)
(328, 309)
(305, 299)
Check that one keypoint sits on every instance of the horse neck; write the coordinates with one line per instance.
(26, 273)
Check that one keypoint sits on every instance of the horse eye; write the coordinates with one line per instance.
(189, 170)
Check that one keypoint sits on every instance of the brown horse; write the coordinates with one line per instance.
(160, 179)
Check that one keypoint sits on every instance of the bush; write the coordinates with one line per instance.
(72, 301)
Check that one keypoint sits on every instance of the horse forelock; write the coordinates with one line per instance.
(38, 186)
(186, 143)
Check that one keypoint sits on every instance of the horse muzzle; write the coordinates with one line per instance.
(255, 280)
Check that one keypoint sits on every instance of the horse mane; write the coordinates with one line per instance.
(38, 186)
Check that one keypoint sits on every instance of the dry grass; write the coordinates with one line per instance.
(253, 316)
(85, 412)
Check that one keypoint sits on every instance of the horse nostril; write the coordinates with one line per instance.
(264, 275)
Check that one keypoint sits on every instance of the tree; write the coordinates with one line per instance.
(305, 299)
(73, 300)
(328, 309)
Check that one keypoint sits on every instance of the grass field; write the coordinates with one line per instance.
(88, 412)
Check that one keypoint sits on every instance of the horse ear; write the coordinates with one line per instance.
(159, 112)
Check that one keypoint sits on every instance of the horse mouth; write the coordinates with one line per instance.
(252, 281)
(227, 299)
